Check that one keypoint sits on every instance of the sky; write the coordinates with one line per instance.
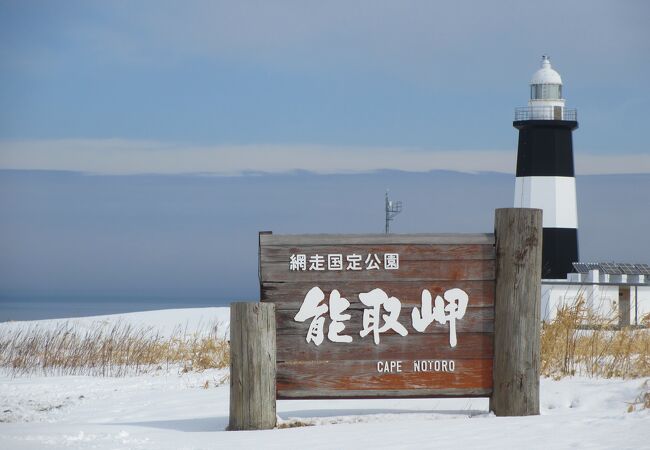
(282, 83)
(123, 126)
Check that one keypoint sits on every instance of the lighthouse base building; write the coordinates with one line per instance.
(615, 293)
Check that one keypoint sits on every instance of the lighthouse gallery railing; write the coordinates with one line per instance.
(546, 113)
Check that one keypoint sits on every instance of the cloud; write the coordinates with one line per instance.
(118, 156)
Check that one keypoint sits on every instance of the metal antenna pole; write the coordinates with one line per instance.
(392, 209)
(387, 217)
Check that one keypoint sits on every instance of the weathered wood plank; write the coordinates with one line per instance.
(291, 295)
(372, 239)
(407, 252)
(408, 271)
(392, 347)
(317, 377)
(324, 394)
(475, 320)
(517, 312)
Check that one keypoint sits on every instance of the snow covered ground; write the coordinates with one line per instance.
(177, 411)
(165, 321)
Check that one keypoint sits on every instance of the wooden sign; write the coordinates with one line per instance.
(363, 316)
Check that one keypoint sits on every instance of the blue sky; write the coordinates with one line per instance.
(418, 76)
(302, 113)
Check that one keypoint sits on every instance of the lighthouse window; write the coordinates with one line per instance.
(545, 91)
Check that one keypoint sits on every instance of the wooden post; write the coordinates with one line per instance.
(252, 366)
(517, 312)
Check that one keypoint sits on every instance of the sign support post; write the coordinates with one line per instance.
(517, 312)
(252, 366)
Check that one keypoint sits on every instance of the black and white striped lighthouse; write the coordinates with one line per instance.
(545, 173)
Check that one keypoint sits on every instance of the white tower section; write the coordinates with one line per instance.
(546, 102)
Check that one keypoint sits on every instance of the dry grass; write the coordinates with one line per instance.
(579, 342)
(115, 350)
(294, 423)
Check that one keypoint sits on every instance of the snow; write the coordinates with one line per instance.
(166, 321)
(174, 410)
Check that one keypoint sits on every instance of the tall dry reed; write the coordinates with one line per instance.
(579, 341)
(116, 349)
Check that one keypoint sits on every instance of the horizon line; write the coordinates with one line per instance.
(143, 157)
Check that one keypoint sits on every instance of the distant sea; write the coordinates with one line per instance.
(74, 244)
(32, 309)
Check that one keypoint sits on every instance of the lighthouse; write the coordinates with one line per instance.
(545, 171)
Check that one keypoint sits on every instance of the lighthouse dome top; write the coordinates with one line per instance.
(546, 101)
(546, 74)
